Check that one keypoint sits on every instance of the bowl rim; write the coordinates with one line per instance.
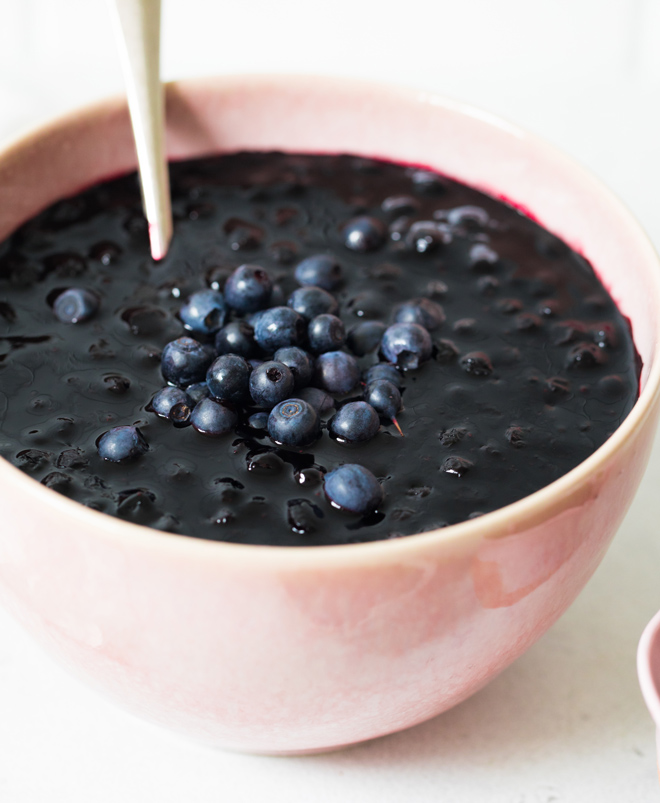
(511, 518)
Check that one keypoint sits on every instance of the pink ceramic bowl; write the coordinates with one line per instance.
(286, 650)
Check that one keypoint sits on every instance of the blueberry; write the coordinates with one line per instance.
(228, 377)
(294, 422)
(213, 418)
(337, 372)
(385, 398)
(470, 216)
(173, 404)
(422, 311)
(236, 337)
(204, 312)
(310, 301)
(321, 401)
(456, 466)
(270, 383)
(198, 391)
(482, 258)
(300, 363)
(477, 363)
(320, 270)
(383, 370)
(75, 305)
(353, 488)
(355, 422)
(248, 289)
(258, 420)
(185, 361)
(279, 327)
(363, 234)
(406, 344)
(586, 355)
(121, 443)
(365, 337)
(325, 333)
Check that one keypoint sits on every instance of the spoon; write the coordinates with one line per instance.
(138, 28)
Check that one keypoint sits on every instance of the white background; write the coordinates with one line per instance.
(566, 722)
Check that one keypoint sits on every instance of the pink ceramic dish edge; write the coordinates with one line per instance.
(297, 649)
(648, 671)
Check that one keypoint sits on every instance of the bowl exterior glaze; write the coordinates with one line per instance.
(286, 650)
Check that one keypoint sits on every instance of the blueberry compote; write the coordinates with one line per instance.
(445, 350)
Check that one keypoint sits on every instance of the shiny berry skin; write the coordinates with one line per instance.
(320, 270)
(337, 372)
(312, 301)
(365, 337)
(121, 443)
(204, 312)
(325, 333)
(248, 289)
(321, 401)
(270, 383)
(407, 345)
(422, 311)
(228, 377)
(76, 305)
(383, 370)
(294, 422)
(477, 363)
(173, 404)
(384, 397)
(236, 337)
(258, 420)
(353, 488)
(198, 391)
(300, 363)
(355, 422)
(363, 234)
(279, 327)
(213, 418)
(185, 361)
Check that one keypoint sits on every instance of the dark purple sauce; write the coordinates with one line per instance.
(564, 368)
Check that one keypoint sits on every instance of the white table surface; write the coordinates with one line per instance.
(566, 723)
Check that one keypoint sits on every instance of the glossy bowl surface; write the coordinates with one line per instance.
(287, 650)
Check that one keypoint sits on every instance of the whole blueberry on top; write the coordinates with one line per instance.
(228, 377)
(355, 422)
(321, 270)
(321, 401)
(213, 418)
(270, 383)
(278, 327)
(383, 370)
(236, 337)
(353, 488)
(174, 404)
(76, 305)
(311, 301)
(325, 333)
(385, 398)
(363, 234)
(248, 289)
(337, 372)
(294, 422)
(407, 345)
(204, 312)
(198, 391)
(365, 337)
(423, 311)
(185, 361)
(121, 443)
(300, 363)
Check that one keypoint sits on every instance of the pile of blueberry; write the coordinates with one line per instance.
(283, 366)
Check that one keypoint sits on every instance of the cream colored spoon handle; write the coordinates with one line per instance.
(138, 25)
